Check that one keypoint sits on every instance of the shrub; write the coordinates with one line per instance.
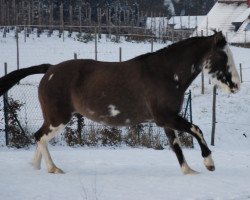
(17, 137)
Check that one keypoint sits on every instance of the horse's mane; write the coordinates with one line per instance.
(177, 45)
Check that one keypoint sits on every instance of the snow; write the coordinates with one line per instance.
(241, 18)
(125, 173)
(221, 16)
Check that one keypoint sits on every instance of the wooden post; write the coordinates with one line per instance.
(70, 17)
(51, 16)
(152, 43)
(80, 18)
(5, 100)
(202, 82)
(120, 54)
(213, 115)
(95, 44)
(17, 47)
(241, 79)
(61, 17)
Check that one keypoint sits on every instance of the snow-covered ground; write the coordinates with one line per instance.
(125, 173)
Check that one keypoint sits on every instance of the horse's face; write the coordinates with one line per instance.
(221, 67)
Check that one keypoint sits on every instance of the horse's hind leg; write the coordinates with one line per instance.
(43, 136)
(176, 147)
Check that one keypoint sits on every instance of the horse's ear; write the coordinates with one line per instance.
(219, 39)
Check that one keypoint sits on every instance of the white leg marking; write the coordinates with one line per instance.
(37, 159)
(42, 145)
(209, 163)
(187, 170)
(176, 140)
(198, 133)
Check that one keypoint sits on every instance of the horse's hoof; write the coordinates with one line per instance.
(209, 163)
(56, 170)
(210, 168)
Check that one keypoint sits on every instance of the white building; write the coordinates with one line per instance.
(231, 17)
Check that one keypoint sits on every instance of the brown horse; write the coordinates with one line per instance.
(149, 87)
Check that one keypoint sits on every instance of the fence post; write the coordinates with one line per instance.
(152, 43)
(95, 44)
(5, 99)
(120, 54)
(213, 115)
(25, 33)
(202, 82)
(80, 121)
(241, 79)
(17, 47)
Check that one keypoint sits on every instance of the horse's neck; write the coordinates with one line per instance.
(186, 68)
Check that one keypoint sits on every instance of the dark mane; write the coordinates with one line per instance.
(182, 44)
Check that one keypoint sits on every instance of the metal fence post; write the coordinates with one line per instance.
(120, 54)
(213, 116)
(241, 78)
(202, 83)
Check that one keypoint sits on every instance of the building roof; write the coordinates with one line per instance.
(221, 18)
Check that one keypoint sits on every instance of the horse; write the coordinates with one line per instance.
(149, 87)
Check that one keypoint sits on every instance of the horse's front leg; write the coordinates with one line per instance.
(178, 123)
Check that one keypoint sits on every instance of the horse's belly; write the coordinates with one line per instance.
(116, 115)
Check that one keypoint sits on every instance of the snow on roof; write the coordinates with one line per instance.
(221, 17)
(185, 22)
(243, 16)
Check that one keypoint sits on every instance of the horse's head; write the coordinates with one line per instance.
(220, 65)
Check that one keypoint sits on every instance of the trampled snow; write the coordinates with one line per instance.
(125, 173)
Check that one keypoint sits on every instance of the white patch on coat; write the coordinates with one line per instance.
(113, 111)
(176, 77)
(198, 133)
(50, 77)
(52, 134)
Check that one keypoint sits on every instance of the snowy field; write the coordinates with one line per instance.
(125, 173)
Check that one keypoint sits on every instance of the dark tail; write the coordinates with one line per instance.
(8, 81)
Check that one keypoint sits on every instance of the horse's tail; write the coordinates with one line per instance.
(8, 81)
